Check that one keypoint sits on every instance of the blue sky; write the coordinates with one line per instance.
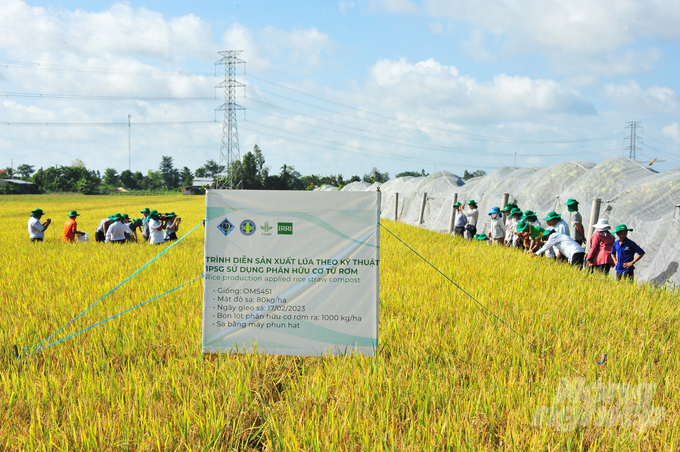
(341, 86)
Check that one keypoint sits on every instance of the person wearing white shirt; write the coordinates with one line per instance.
(565, 245)
(473, 216)
(36, 229)
(556, 223)
(156, 227)
(497, 231)
(116, 232)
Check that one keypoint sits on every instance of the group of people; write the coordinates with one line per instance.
(513, 227)
(153, 227)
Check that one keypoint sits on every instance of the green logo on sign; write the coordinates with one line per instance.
(285, 228)
(265, 227)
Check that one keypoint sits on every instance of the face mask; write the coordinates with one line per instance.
(494, 216)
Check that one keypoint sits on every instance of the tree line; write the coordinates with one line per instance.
(251, 171)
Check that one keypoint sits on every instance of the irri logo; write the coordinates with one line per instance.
(285, 228)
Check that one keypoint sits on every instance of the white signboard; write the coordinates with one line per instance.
(291, 273)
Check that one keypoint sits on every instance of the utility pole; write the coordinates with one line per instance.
(129, 147)
(633, 138)
(515, 159)
(229, 148)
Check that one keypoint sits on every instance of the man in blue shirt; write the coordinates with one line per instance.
(624, 251)
(460, 220)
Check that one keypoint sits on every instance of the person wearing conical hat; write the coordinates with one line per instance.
(624, 251)
(566, 246)
(601, 243)
(473, 217)
(576, 221)
(36, 229)
(497, 230)
(71, 228)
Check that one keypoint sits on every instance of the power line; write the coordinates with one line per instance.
(97, 70)
(428, 126)
(102, 124)
(9, 94)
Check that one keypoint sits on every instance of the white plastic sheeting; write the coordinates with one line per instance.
(631, 193)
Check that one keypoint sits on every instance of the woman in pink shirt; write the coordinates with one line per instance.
(599, 256)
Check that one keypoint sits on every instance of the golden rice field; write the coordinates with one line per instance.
(447, 376)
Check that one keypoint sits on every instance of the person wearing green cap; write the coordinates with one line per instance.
(145, 223)
(134, 225)
(71, 228)
(529, 234)
(172, 226)
(514, 216)
(460, 221)
(156, 227)
(473, 216)
(624, 252)
(100, 233)
(556, 223)
(576, 221)
(116, 233)
(531, 217)
(36, 229)
(566, 246)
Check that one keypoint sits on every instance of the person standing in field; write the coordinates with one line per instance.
(172, 226)
(514, 217)
(145, 223)
(156, 226)
(624, 251)
(473, 216)
(36, 229)
(576, 221)
(530, 216)
(497, 231)
(460, 220)
(116, 233)
(600, 253)
(566, 246)
(71, 228)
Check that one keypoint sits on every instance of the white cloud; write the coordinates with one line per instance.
(672, 131)
(304, 46)
(442, 90)
(573, 34)
(632, 96)
(475, 46)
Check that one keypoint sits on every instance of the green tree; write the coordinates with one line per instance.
(111, 177)
(153, 180)
(128, 181)
(412, 173)
(186, 177)
(376, 176)
(25, 171)
(478, 173)
(169, 173)
(251, 181)
(210, 169)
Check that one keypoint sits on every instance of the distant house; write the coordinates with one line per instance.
(198, 186)
(20, 187)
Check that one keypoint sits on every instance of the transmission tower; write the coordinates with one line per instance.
(633, 138)
(229, 149)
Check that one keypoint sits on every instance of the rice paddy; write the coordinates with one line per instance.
(448, 375)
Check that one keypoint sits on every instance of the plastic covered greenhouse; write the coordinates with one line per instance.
(631, 193)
